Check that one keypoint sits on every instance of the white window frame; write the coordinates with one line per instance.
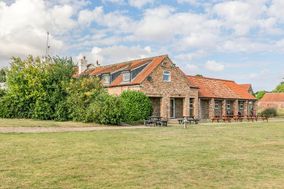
(106, 79)
(167, 73)
(126, 76)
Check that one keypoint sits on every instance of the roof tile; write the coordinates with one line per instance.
(219, 88)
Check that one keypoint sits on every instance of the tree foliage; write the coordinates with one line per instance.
(82, 92)
(259, 94)
(3, 74)
(47, 90)
(136, 105)
(269, 112)
(279, 88)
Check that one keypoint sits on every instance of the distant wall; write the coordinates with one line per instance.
(279, 106)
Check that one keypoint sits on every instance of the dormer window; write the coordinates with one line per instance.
(167, 76)
(126, 76)
(106, 79)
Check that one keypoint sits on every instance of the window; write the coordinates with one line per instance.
(106, 79)
(216, 105)
(167, 76)
(126, 76)
(228, 106)
(191, 107)
(241, 105)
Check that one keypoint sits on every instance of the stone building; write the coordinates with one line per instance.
(171, 94)
(218, 97)
(272, 100)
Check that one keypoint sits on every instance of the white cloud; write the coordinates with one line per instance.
(214, 66)
(115, 54)
(112, 20)
(24, 24)
(139, 3)
(86, 17)
(241, 16)
(276, 9)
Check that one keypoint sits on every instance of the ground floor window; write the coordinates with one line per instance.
(191, 107)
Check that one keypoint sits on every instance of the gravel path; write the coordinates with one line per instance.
(62, 129)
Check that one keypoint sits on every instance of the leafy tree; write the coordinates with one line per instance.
(259, 94)
(136, 106)
(279, 88)
(3, 75)
(36, 87)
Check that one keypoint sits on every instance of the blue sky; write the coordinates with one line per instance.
(239, 40)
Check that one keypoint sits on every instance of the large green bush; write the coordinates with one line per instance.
(269, 112)
(2, 92)
(136, 106)
(46, 90)
(36, 87)
(82, 92)
(106, 109)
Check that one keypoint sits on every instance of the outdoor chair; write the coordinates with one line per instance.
(215, 118)
(162, 122)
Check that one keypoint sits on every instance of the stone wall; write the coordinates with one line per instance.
(178, 87)
(156, 104)
(118, 90)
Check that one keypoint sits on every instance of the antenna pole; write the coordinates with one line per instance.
(47, 44)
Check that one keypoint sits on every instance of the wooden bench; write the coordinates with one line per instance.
(153, 120)
(162, 122)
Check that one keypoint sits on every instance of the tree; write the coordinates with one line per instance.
(259, 94)
(3, 75)
(279, 88)
(36, 88)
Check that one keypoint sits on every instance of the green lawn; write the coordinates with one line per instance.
(39, 123)
(226, 156)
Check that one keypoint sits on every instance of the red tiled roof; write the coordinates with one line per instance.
(273, 97)
(152, 62)
(246, 86)
(219, 88)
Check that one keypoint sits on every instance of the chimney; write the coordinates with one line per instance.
(82, 64)
(97, 63)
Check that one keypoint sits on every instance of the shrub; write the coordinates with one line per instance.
(82, 92)
(36, 87)
(136, 106)
(2, 92)
(106, 109)
(269, 112)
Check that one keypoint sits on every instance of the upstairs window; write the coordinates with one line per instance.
(106, 79)
(167, 76)
(126, 77)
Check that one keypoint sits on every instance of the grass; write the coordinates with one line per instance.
(39, 123)
(224, 156)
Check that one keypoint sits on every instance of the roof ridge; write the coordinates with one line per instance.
(211, 78)
(130, 61)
